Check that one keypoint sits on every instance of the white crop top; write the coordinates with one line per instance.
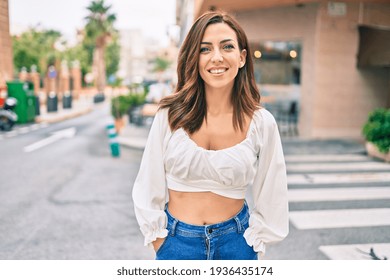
(172, 160)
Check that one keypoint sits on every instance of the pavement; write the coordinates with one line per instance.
(83, 105)
(134, 136)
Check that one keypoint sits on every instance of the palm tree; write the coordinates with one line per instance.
(99, 29)
(161, 64)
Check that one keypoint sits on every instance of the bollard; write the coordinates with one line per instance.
(114, 145)
(67, 100)
(52, 102)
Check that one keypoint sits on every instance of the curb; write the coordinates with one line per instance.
(132, 142)
(63, 116)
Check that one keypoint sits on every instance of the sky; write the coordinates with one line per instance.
(153, 17)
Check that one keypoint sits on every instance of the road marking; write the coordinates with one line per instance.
(329, 167)
(344, 218)
(65, 133)
(329, 158)
(337, 178)
(356, 251)
(339, 194)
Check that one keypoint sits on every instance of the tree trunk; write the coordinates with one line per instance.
(99, 65)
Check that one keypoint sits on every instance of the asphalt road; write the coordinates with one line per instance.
(69, 199)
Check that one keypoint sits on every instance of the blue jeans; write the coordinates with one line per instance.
(222, 241)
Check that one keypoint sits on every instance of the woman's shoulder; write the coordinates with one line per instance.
(264, 117)
(161, 117)
(161, 114)
(265, 125)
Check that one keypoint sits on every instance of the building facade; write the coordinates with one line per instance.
(133, 61)
(138, 55)
(6, 64)
(336, 93)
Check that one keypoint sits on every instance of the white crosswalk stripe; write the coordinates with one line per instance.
(350, 166)
(340, 218)
(339, 194)
(339, 179)
(356, 251)
(324, 158)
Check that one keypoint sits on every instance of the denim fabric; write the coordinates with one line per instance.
(221, 241)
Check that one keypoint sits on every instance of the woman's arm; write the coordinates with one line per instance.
(149, 190)
(268, 221)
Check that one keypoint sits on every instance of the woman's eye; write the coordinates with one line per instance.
(204, 49)
(228, 47)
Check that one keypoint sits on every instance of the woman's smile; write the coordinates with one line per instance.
(218, 70)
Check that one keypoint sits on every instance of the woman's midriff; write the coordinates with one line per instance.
(202, 208)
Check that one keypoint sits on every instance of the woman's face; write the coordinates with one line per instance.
(220, 57)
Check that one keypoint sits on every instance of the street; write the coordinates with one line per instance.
(64, 197)
(69, 199)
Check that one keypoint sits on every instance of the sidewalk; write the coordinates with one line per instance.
(135, 137)
(83, 105)
(299, 146)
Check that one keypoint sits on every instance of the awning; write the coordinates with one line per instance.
(374, 46)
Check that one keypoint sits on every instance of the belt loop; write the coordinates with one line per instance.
(173, 228)
(239, 226)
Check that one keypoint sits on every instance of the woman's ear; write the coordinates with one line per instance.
(243, 58)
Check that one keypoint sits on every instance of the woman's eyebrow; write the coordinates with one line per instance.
(223, 41)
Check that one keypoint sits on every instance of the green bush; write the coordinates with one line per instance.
(120, 105)
(377, 129)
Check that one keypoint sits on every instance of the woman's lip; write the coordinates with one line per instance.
(218, 70)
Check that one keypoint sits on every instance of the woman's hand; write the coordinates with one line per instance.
(157, 243)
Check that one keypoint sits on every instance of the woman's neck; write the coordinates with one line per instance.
(218, 101)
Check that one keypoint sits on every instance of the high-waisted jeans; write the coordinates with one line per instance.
(221, 241)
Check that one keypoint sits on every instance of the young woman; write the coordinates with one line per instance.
(209, 142)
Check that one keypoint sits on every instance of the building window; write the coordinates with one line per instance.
(277, 62)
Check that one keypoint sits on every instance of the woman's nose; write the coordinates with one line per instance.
(217, 57)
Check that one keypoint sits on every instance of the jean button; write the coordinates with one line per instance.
(210, 230)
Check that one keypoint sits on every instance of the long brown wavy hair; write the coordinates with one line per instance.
(187, 106)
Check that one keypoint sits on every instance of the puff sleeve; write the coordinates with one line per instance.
(149, 190)
(268, 221)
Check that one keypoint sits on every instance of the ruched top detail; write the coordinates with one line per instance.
(226, 172)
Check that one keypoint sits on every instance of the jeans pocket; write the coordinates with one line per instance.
(163, 244)
(246, 226)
